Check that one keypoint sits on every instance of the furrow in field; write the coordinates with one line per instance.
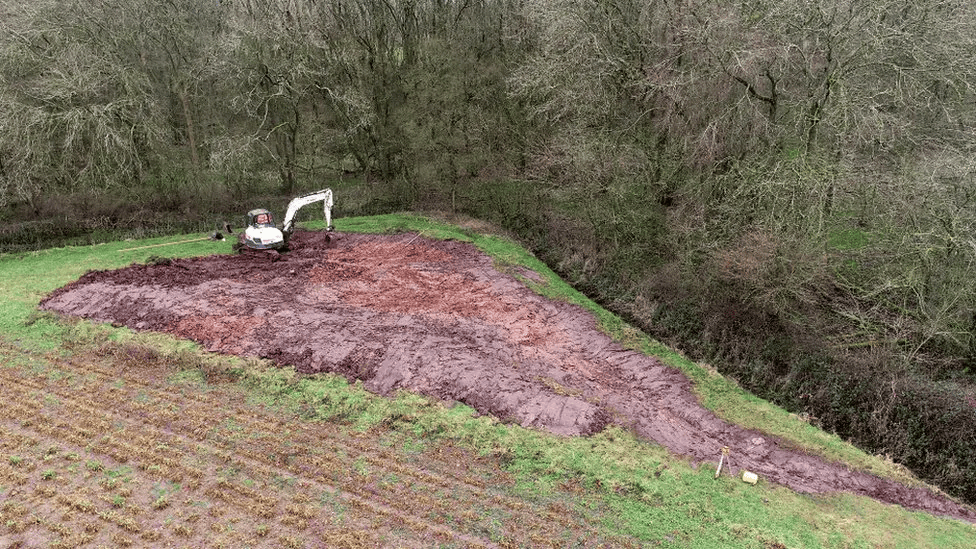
(120, 428)
(194, 415)
(170, 404)
(53, 494)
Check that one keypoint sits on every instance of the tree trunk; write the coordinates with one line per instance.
(190, 134)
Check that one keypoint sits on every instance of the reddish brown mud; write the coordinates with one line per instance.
(435, 317)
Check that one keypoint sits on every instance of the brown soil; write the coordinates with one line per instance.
(436, 317)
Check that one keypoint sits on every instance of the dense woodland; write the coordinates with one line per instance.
(784, 189)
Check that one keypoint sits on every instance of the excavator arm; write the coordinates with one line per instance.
(325, 195)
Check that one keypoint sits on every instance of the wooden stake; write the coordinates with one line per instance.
(725, 452)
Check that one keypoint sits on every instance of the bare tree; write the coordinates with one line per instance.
(79, 116)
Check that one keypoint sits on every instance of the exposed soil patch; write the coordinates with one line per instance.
(435, 317)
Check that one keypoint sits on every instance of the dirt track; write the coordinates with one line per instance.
(435, 317)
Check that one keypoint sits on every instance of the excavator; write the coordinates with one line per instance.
(263, 234)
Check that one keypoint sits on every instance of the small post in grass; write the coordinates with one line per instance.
(725, 452)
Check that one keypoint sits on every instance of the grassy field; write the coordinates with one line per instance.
(110, 438)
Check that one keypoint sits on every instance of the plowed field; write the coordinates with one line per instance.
(117, 450)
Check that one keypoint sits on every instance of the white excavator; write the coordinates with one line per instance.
(262, 233)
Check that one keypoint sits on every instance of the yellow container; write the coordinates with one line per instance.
(749, 477)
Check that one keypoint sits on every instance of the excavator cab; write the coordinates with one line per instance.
(260, 218)
(261, 232)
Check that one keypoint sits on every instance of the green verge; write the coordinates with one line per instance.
(651, 494)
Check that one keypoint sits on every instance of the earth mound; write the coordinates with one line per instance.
(437, 318)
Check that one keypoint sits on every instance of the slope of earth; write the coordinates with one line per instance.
(437, 318)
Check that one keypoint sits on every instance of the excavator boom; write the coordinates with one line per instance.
(325, 195)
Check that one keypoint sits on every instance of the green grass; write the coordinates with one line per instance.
(651, 494)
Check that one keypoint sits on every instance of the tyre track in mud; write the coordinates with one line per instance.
(309, 460)
(435, 317)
